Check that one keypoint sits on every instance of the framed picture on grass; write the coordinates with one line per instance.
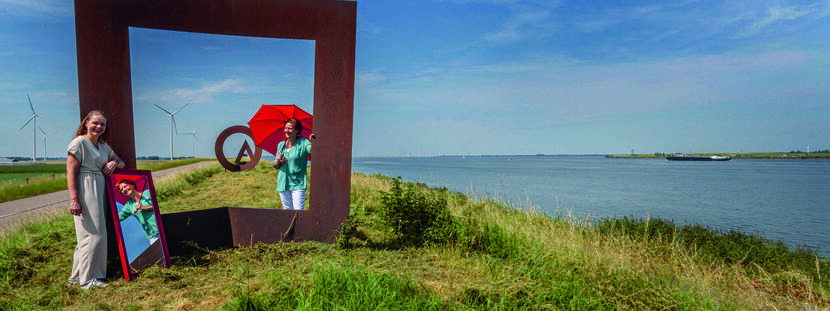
(137, 221)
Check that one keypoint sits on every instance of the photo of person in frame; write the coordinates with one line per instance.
(139, 205)
(133, 205)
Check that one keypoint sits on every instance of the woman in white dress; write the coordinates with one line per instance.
(88, 160)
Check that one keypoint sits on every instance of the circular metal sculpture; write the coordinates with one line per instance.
(238, 165)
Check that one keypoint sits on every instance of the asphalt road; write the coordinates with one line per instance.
(14, 214)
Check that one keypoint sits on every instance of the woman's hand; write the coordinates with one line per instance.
(75, 207)
(109, 167)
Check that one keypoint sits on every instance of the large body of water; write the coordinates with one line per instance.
(786, 200)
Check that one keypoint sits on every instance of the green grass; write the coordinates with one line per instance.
(162, 165)
(497, 258)
(34, 168)
(49, 178)
(7, 180)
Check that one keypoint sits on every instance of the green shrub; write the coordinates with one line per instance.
(488, 238)
(418, 217)
(350, 235)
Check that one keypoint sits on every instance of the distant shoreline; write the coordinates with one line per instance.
(752, 155)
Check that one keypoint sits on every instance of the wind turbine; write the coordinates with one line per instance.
(34, 117)
(44, 142)
(195, 139)
(172, 124)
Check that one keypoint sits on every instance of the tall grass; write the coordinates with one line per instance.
(337, 287)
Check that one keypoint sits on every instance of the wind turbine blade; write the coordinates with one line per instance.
(159, 107)
(191, 133)
(175, 128)
(41, 131)
(27, 122)
(180, 109)
(30, 104)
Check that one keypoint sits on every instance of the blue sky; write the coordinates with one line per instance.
(467, 77)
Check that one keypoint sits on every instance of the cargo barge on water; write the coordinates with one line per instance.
(685, 157)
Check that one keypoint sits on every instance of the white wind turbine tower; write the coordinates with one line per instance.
(172, 124)
(44, 142)
(34, 117)
(195, 139)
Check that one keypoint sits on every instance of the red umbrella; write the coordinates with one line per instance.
(268, 125)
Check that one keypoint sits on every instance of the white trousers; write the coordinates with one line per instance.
(293, 199)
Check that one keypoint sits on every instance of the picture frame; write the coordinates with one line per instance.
(138, 227)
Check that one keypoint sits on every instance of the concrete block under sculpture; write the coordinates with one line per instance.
(102, 41)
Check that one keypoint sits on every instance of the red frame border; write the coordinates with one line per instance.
(114, 210)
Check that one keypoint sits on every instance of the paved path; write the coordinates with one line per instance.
(15, 213)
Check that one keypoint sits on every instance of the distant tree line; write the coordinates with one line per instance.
(817, 151)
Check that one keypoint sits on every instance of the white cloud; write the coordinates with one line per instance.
(367, 27)
(776, 14)
(525, 21)
(509, 68)
(369, 78)
(39, 8)
(509, 34)
(204, 93)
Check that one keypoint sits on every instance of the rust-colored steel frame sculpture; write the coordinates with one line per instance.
(102, 39)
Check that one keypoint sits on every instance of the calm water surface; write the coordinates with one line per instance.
(786, 200)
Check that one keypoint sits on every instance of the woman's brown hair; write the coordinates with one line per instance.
(126, 181)
(297, 125)
(82, 128)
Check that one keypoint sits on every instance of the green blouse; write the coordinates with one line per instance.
(147, 219)
(292, 174)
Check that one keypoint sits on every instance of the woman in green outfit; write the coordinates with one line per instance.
(291, 162)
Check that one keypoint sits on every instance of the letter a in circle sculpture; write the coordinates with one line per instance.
(238, 165)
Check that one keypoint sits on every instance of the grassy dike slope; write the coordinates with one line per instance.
(406, 247)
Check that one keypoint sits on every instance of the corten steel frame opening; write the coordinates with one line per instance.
(102, 39)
